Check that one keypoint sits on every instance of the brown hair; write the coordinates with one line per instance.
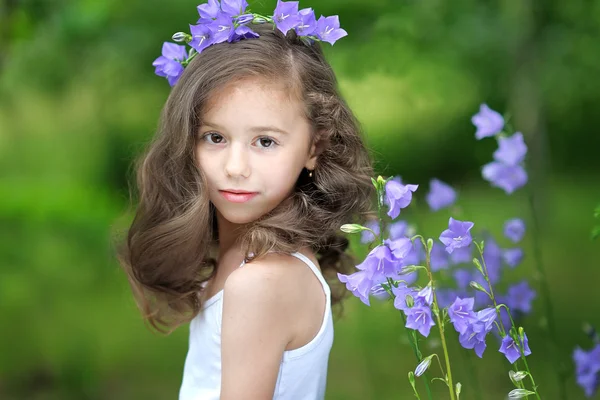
(170, 246)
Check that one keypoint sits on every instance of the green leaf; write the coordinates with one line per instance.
(519, 393)
(375, 183)
(411, 378)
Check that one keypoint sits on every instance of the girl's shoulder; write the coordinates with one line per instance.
(278, 281)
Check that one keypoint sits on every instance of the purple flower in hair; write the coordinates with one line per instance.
(244, 18)
(507, 177)
(286, 15)
(511, 350)
(328, 29)
(514, 229)
(440, 195)
(488, 122)
(222, 28)
(233, 8)
(457, 235)
(202, 37)
(511, 150)
(308, 22)
(208, 11)
(398, 196)
(168, 64)
(243, 32)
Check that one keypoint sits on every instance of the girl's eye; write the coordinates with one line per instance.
(218, 138)
(267, 142)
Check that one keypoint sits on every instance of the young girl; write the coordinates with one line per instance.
(256, 164)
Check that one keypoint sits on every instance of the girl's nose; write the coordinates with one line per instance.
(236, 164)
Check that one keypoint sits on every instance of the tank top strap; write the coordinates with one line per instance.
(315, 270)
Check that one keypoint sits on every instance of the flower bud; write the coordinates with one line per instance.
(352, 228)
(423, 365)
(182, 37)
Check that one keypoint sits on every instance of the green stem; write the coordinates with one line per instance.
(412, 340)
(562, 370)
(491, 293)
(440, 323)
(521, 346)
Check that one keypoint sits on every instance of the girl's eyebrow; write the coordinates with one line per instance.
(254, 129)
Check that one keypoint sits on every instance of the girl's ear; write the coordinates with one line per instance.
(315, 149)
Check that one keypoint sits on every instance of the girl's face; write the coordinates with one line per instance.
(254, 138)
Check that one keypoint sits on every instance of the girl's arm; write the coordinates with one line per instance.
(256, 329)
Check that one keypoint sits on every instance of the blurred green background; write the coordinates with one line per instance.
(79, 100)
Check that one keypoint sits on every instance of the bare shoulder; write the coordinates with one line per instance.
(271, 281)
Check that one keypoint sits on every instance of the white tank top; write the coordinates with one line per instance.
(302, 372)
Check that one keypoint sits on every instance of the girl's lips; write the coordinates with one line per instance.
(237, 197)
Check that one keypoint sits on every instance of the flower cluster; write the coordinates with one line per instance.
(506, 171)
(587, 369)
(230, 21)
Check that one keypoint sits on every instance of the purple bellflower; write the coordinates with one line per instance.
(506, 177)
(439, 258)
(168, 64)
(286, 15)
(462, 255)
(587, 369)
(380, 263)
(511, 350)
(418, 317)
(401, 292)
(328, 29)
(511, 150)
(514, 229)
(457, 235)
(400, 248)
(519, 297)
(488, 122)
(202, 37)
(308, 22)
(461, 314)
(397, 229)
(208, 11)
(398, 196)
(440, 195)
(367, 236)
(233, 8)
(474, 335)
(359, 284)
(513, 257)
(462, 277)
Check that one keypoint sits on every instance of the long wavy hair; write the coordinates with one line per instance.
(170, 248)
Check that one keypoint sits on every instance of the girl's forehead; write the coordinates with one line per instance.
(256, 94)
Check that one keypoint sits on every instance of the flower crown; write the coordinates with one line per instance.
(229, 21)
